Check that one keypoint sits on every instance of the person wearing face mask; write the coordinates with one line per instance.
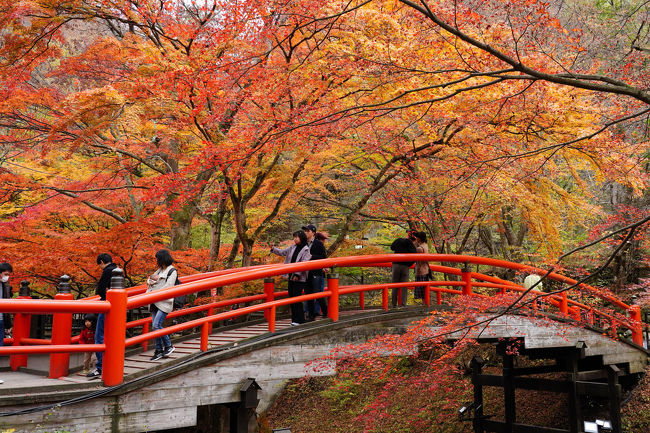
(5, 293)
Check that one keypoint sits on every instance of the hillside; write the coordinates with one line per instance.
(339, 405)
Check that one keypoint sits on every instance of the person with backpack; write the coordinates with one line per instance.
(401, 270)
(164, 277)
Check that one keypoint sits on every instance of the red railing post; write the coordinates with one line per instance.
(210, 313)
(575, 314)
(272, 319)
(384, 298)
(61, 332)
(22, 322)
(438, 297)
(614, 328)
(333, 305)
(564, 304)
(269, 291)
(205, 332)
(466, 276)
(362, 299)
(427, 295)
(637, 326)
(115, 331)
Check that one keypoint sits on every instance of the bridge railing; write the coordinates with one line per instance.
(120, 300)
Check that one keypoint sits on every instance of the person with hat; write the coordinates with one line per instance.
(316, 277)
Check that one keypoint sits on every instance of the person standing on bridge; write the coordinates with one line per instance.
(87, 336)
(298, 252)
(5, 293)
(164, 277)
(422, 270)
(105, 261)
(316, 277)
(400, 270)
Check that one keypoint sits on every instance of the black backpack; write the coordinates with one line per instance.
(179, 301)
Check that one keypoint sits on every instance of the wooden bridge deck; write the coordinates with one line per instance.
(28, 382)
(138, 364)
(188, 378)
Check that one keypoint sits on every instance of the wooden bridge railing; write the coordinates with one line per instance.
(119, 300)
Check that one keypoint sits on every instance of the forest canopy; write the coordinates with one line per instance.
(510, 129)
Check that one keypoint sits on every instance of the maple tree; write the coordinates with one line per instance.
(491, 125)
(253, 116)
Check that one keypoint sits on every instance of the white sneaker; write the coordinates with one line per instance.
(1, 381)
(295, 323)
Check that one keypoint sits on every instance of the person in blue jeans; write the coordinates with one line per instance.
(5, 292)
(316, 277)
(164, 277)
(105, 262)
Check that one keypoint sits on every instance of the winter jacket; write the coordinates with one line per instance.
(303, 256)
(422, 268)
(87, 335)
(104, 282)
(167, 279)
(6, 294)
(401, 246)
(317, 251)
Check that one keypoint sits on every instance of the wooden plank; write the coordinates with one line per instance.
(158, 420)
(500, 427)
(538, 370)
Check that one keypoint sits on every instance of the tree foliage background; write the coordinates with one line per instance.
(508, 129)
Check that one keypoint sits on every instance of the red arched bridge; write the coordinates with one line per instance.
(616, 317)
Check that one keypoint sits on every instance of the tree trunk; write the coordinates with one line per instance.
(230, 263)
(247, 252)
(182, 227)
(216, 223)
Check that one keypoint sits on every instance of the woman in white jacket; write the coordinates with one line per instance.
(164, 277)
(298, 252)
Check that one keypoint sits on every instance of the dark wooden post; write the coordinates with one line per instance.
(614, 397)
(509, 404)
(241, 411)
(575, 418)
(25, 291)
(477, 365)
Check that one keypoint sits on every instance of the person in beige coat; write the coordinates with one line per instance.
(422, 269)
(164, 277)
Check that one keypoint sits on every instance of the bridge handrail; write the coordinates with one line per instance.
(135, 298)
